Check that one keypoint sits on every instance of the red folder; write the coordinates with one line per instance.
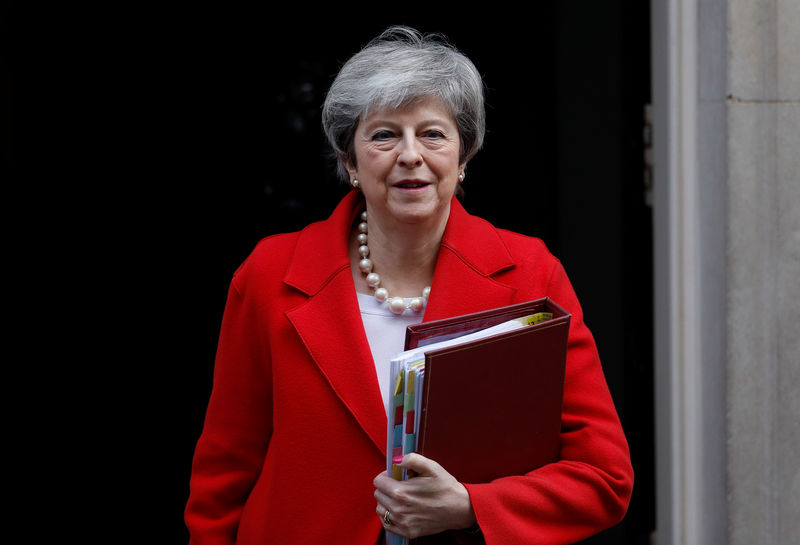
(492, 407)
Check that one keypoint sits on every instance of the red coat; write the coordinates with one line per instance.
(296, 431)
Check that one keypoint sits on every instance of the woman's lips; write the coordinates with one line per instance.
(411, 184)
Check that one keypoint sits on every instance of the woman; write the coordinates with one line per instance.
(293, 448)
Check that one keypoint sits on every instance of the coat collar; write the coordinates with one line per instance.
(322, 248)
(471, 254)
(329, 322)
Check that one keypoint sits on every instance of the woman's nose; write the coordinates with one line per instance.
(410, 154)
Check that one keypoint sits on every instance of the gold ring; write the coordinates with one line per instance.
(386, 518)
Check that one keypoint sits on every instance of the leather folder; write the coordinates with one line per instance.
(492, 407)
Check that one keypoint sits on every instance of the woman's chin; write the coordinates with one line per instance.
(419, 213)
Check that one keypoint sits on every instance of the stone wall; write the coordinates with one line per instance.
(763, 279)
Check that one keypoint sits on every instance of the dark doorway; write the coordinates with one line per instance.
(235, 115)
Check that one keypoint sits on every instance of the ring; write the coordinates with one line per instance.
(386, 518)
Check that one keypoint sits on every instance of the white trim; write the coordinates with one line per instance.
(689, 144)
(677, 276)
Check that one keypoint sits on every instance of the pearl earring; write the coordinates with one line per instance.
(461, 177)
(355, 183)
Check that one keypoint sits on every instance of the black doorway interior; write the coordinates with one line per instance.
(234, 103)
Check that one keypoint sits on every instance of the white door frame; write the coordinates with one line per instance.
(689, 205)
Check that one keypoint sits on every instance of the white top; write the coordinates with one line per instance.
(386, 333)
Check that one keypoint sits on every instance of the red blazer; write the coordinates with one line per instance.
(295, 430)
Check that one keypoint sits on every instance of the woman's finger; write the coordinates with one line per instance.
(419, 464)
(382, 498)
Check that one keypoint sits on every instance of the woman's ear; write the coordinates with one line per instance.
(352, 173)
(462, 172)
(351, 169)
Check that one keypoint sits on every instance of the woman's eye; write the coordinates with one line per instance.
(382, 135)
(434, 134)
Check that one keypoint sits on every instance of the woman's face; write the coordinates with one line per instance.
(407, 163)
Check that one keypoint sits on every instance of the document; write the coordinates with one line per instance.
(481, 393)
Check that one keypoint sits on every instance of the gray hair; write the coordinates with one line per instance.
(400, 68)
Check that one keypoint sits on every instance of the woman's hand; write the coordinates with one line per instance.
(430, 502)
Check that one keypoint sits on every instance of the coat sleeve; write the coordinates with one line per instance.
(589, 488)
(237, 429)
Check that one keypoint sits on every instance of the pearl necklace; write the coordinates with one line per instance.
(396, 304)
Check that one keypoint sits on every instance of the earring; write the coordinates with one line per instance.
(461, 177)
(355, 183)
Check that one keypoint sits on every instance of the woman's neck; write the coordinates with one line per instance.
(404, 255)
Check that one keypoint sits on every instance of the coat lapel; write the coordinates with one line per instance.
(331, 328)
(329, 322)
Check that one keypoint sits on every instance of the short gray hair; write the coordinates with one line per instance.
(399, 68)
